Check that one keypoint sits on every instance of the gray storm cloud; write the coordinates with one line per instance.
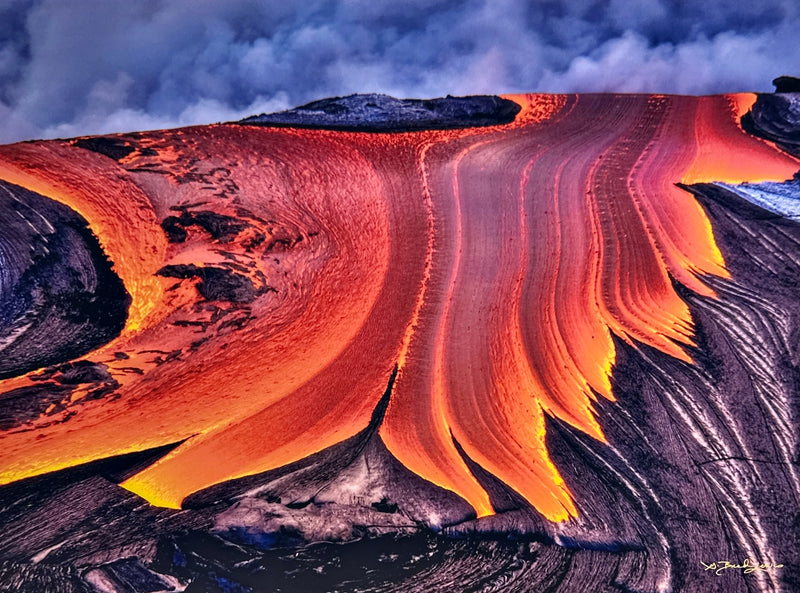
(96, 66)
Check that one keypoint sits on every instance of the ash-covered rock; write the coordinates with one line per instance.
(782, 198)
(382, 113)
(352, 489)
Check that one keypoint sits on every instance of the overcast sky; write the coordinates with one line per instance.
(73, 67)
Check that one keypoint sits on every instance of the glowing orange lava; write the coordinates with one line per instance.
(491, 264)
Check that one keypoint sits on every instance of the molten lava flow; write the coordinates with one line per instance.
(725, 152)
(278, 275)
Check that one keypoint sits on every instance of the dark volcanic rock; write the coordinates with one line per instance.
(787, 84)
(25, 404)
(28, 577)
(52, 391)
(72, 373)
(221, 228)
(59, 297)
(80, 516)
(114, 148)
(420, 563)
(216, 284)
(381, 113)
(777, 118)
(129, 575)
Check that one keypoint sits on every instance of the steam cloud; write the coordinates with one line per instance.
(96, 66)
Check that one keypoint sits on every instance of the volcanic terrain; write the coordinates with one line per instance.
(553, 337)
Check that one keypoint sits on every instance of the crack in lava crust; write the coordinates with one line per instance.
(491, 265)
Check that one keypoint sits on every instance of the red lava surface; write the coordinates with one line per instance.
(492, 265)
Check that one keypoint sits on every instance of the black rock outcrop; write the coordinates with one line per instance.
(381, 113)
(776, 118)
(787, 84)
(59, 297)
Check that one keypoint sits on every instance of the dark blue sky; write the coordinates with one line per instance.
(71, 67)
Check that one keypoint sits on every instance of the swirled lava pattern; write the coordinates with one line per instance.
(278, 275)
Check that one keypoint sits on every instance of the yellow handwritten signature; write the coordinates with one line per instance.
(747, 566)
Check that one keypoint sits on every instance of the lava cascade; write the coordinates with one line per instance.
(491, 265)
